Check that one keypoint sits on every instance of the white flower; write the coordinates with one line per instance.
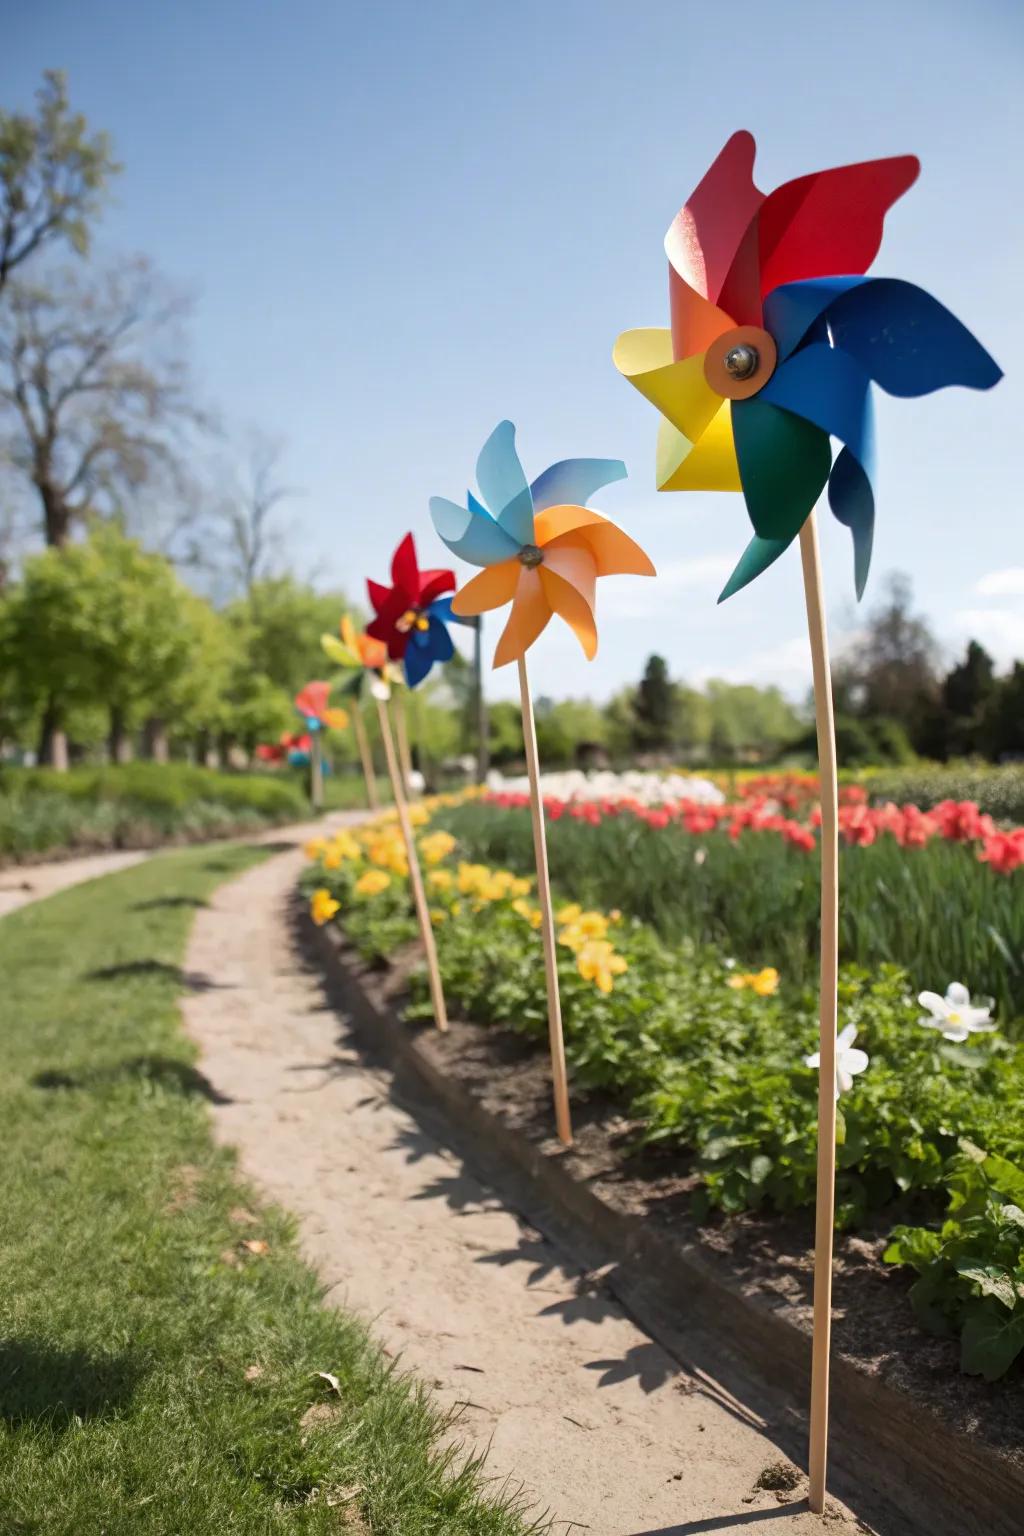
(849, 1060)
(953, 1015)
(380, 689)
(648, 788)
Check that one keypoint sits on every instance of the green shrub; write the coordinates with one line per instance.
(998, 791)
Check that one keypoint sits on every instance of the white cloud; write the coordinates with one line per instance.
(1005, 583)
(1000, 630)
(787, 666)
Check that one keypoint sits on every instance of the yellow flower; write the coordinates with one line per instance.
(419, 815)
(346, 847)
(520, 887)
(372, 883)
(592, 925)
(315, 847)
(440, 879)
(764, 983)
(438, 916)
(571, 937)
(569, 914)
(332, 858)
(598, 962)
(523, 909)
(472, 877)
(437, 846)
(322, 906)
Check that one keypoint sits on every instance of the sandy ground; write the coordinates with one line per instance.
(603, 1428)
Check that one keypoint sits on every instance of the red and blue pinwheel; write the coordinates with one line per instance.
(412, 615)
(775, 340)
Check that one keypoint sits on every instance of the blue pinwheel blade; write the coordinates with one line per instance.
(441, 609)
(503, 484)
(828, 387)
(907, 341)
(439, 641)
(417, 661)
(793, 310)
(471, 533)
(851, 496)
(571, 482)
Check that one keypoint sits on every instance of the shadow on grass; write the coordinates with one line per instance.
(54, 1386)
(163, 1071)
(160, 903)
(192, 981)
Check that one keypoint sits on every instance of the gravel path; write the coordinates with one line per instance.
(22, 883)
(603, 1428)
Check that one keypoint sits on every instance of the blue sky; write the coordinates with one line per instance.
(407, 219)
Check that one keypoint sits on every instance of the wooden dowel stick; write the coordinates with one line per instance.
(419, 895)
(316, 772)
(563, 1119)
(370, 777)
(404, 755)
(824, 1216)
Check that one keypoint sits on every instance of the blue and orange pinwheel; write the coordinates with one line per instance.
(542, 547)
(776, 337)
(412, 615)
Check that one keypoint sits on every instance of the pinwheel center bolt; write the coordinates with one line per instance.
(531, 556)
(739, 363)
(742, 362)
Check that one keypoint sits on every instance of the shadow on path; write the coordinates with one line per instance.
(727, 1522)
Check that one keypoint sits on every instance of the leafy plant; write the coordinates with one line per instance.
(972, 1268)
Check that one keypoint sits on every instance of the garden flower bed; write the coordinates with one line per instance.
(712, 1063)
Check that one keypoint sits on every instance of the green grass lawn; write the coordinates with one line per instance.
(156, 1373)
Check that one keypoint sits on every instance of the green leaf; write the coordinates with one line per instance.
(991, 1341)
(760, 1167)
(990, 1279)
(913, 1245)
(1006, 1177)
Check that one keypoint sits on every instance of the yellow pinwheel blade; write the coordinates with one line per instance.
(339, 653)
(707, 465)
(679, 390)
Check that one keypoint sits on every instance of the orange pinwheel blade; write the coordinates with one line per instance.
(493, 588)
(614, 553)
(335, 719)
(566, 598)
(696, 322)
(530, 614)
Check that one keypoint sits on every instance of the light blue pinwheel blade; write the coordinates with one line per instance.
(571, 482)
(907, 341)
(828, 387)
(793, 309)
(503, 484)
(471, 534)
(757, 557)
(852, 499)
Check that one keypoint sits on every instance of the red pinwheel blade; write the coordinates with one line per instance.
(405, 571)
(705, 235)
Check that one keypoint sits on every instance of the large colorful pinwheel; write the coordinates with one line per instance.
(542, 547)
(412, 617)
(776, 337)
(311, 703)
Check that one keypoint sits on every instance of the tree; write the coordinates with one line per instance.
(966, 692)
(892, 671)
(1002, 730)
(53, 176)
(654, 706)
(102, 623)
(248, 511)
(94, 393)
(279, 624)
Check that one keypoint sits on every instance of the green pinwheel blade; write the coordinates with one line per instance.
(784, 462)
(339, 652)
(757, 557)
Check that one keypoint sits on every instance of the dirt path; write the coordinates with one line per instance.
(22, 883)
(604, 1428)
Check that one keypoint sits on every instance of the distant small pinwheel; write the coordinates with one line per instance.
(311, 703)
(363, 662)
(770, 352)
(412, 616)
(542, 547)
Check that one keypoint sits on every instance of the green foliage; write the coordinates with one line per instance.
(999, 791)
(53, 177)
(131, 1315)
(972, 1267)
(137, 805)
(935, 910)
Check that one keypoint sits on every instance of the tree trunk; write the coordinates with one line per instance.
(56, 514)
(155, 745)
(119, 744)
(53, 741)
